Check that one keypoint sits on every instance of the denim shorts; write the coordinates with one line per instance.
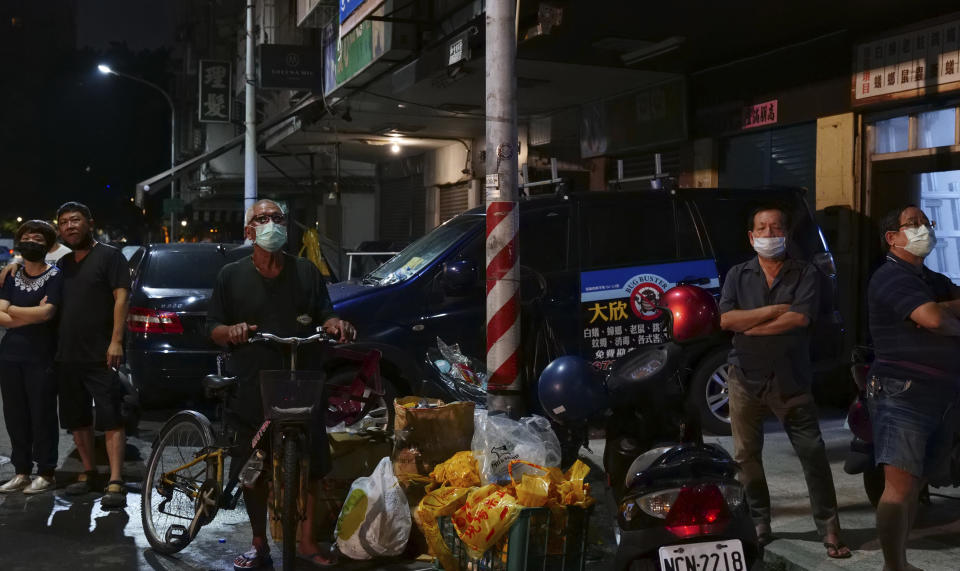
(910, 422)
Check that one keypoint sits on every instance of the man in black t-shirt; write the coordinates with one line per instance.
(914, 383)
(273, 292)
(96, 285)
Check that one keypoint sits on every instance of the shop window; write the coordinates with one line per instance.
(936, 128)
(940, 200)
(892, 135)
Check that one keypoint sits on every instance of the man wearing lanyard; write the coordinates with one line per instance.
(913, 383)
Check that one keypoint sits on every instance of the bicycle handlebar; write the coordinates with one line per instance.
(316, 337)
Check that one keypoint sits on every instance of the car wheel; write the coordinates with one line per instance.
(709, 393)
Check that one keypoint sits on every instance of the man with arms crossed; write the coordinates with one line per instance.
(913, 383)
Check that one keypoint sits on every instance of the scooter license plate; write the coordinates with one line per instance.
(708, 556)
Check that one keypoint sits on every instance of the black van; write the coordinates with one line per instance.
(584, 259)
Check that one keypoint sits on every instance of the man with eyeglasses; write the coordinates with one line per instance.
(913, 384)
(278, 293)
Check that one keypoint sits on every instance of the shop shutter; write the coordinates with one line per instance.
(776, 157)
(453, 200)
(402, 208)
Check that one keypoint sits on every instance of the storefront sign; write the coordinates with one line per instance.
(348, 56)
(352, 12)
(618, 307)
(290, 67)
(215, 99)
(636, 121)
(458, 49)
(760, 114)
(908, 64)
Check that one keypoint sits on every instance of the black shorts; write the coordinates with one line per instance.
(82, 386)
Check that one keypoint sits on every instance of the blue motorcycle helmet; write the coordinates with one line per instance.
(571, 390)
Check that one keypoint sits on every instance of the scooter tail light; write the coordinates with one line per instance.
(698, 510)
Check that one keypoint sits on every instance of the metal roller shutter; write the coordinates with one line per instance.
(453, 200)
(777, 157)
(402, 208)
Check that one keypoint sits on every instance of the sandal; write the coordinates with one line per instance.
(253, 559)
(114, 496)
(837, 550)
(317, 559)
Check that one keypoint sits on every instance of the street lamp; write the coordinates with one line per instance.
(107, 70)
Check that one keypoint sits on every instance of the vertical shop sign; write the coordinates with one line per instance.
(215, 98)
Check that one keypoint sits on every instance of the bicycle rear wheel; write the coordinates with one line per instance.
(291, 488)
(173, 509)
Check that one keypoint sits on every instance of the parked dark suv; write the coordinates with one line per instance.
(585, 258)
(167, 348)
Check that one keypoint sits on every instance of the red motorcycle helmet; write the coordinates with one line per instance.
(693, 312)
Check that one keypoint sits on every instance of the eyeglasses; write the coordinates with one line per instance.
(278, 218)
(913, 224)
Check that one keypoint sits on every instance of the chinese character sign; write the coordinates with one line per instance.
(215, 85)
(760, 114)
(922, 59)
(620, 309)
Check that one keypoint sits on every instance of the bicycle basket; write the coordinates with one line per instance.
(290, 395)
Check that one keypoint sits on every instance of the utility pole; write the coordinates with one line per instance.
(250, 116)
(503, 275)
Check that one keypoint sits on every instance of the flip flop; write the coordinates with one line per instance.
(318, 559)
(836, 550)
(252, 559)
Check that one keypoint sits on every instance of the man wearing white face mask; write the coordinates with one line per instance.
(768, 303)
(278, 293)
(914, 384)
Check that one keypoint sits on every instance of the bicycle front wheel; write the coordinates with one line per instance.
(178, 498)
(291, 488)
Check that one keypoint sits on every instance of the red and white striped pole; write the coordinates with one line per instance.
(503, 285)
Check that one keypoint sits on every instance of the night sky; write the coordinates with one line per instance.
(70, 133)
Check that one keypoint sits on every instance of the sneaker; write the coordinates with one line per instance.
(81, 486)
(39, 485)
(15, 484)
(115, 496)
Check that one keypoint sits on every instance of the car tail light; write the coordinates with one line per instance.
(824, 262)
(698, 510)
(143, 320)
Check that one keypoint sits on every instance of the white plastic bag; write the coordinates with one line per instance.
(375, 519)
(498, 439)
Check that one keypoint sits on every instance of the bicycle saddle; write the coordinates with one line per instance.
(216, 383)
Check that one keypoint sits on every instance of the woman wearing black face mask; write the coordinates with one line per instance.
(28, 300)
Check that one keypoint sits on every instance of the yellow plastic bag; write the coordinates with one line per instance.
(574, 491)
(532, 491)
(439, 502)
(459, 471)
(487, 514)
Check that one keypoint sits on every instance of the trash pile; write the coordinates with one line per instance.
(478, 470)
(465, 377)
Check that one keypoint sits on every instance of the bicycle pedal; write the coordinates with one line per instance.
(176, 534)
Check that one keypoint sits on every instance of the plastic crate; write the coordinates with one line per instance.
(532, 543)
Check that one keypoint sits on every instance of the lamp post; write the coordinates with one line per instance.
(106, 70)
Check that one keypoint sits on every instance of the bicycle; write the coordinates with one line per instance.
(185, 471)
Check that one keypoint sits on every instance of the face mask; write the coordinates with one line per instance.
(920, 241)
(271, 236)
(32, 251)
(770, 247)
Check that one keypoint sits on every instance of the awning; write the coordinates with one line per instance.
(265, 130)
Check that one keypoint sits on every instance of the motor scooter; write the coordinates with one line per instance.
(680, 507)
